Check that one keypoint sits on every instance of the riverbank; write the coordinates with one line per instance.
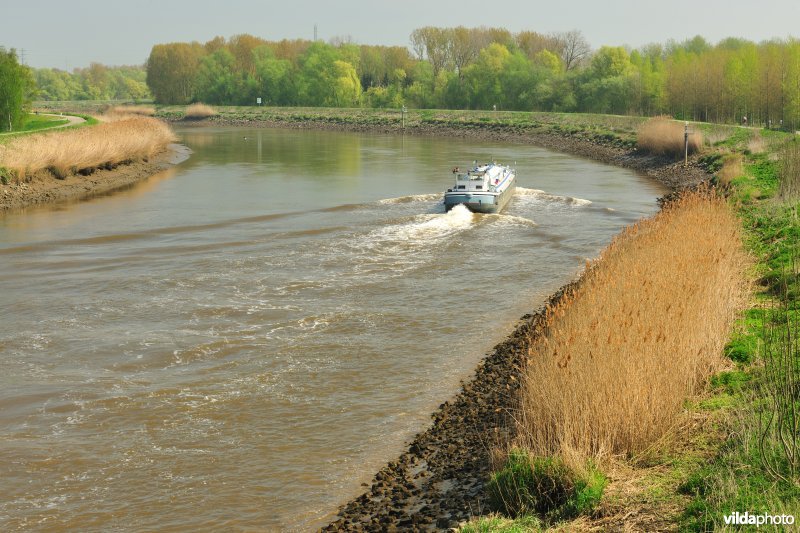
(440, 481)
(86, 161)
(45, 189)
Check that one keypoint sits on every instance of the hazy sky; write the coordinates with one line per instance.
(73, 33)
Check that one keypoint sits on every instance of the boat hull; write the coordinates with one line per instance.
(485, 202)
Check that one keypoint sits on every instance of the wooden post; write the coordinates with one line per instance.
(686, 144)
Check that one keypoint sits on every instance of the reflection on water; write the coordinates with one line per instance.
(241, 342)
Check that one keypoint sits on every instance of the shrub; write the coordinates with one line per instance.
(199, 111)
(548, 487)
(664, 136)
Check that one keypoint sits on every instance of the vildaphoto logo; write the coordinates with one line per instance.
(747, 519)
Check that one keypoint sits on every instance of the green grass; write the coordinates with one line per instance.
(500, 524)
(736, 478)
(35, 122)
(545, 487)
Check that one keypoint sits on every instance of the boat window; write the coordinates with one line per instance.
(461, 187)
(479, 186)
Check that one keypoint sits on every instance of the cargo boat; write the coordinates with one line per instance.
(483, 189)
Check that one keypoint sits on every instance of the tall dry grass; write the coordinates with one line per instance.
(69, 152)
(199, 111)
(638, 336)
(142, 110)
(664, 136)
(732, 168)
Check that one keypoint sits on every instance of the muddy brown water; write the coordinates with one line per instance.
(240, 342)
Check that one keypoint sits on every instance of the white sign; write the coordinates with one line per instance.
(258, 101)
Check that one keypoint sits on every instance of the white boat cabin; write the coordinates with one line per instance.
(480, 179)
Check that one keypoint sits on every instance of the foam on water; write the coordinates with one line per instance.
(537, 193)
(412, 198)
(511, 220)
(426, 228)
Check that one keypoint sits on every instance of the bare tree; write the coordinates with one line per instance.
(574, 48)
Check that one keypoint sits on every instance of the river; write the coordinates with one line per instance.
(241, 341)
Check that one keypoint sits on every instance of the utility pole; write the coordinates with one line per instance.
(315, 33)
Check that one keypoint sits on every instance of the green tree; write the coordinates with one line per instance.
(326, 79)
(172, 71)
(347, 86)
(275, 77)
(16, 88)
(219, 81)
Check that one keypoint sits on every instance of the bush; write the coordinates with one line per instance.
(547, 487)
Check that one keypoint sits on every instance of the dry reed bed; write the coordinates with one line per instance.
(641, 333)
(80, 150)
(199, 111)
(142, 110)
(664, 136)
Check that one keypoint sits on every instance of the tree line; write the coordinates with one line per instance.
(463, 68)
(488, 68)
(96, 82)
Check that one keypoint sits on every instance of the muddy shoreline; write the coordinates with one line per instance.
(439, 482)
(46, 189)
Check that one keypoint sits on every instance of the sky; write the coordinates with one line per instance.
(67, 34)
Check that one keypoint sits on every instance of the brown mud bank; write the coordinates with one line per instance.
(47, 189)
(666, 170)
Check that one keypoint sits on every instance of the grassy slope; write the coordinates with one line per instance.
(735, 478)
